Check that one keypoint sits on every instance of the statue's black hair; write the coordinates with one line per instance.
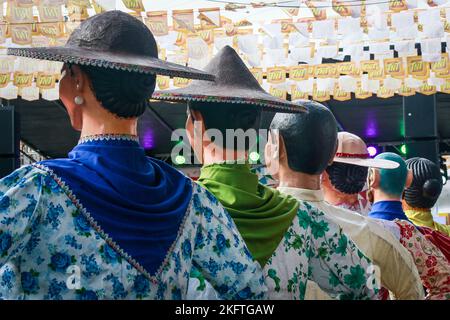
(125, 94)
(310, 138)
(347, 178)
(427, 183)
(223, 116)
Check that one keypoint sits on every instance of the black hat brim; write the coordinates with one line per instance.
(215, 94)
(118, 61)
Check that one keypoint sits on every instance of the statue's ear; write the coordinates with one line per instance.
(373, 178)
(409, 179)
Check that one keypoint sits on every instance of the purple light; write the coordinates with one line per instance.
(147, 139)
(372, 151)
(371, 126)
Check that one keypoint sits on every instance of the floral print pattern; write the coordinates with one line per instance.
(431, 263)
(44, 235)
(433, 267)
(314, 248)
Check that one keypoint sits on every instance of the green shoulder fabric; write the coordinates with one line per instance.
(262, 214)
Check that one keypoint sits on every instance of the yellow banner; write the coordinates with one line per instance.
(181, 39)
(207, 35)
(447, 26)
(278, 93)
(22, 79)
(348, 68)
(325, 71)
(319, 14)
(180, 82)
(398, 5)
(258, 74)
(341, 8)
(21, 34)
(205, 21)
(394, 67)
(445, 88)
(157, 23)
(77, 13)
(385, 93)
(406, 91)
(4, 79)
(298, 95)
(276, 75)
(426, 89)
(287, 26)
(360, 93)
(16, 14)
(299, 73)
(418, 68)
(320, 96)
(45, 81)
(25, 3)
(376, 74)
(370, 65)
(441, 67)
(51, 30)
(293, 12)
(50, 13)
(135, 5)
(98, 8)
(183, 20)
(341, 95)
(80, 3)
(163, 82)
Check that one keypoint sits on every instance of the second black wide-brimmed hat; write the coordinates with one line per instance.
(234, 83)
(115, 40)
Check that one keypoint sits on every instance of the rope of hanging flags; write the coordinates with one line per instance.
(296, 49)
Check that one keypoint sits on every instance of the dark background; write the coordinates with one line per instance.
(45, 125)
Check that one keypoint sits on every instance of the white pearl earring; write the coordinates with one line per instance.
(78, 100)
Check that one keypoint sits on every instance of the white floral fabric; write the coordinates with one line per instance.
(47, 239)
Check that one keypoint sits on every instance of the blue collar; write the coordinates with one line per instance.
(138, 201)
(388, 210)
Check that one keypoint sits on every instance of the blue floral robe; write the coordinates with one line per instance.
(51, 248)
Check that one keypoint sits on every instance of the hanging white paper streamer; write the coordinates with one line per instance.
(347, 83)
(30, 93)
(9, 92)
(392, 83)
(51, 94)
(248, 43)
(296, 39)
(306, 86)
(403, 19)
(323, 29)
(197, 48)
(327, 51)
(220, 42)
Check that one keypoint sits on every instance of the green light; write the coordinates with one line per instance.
(180, 159)
(254, 156)
(403, 149)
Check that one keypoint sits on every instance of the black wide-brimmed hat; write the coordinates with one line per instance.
(115, 40)
(234, 83)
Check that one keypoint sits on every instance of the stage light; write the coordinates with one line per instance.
(254, 156)
(403, 149)
(180, 160)
(372, 151)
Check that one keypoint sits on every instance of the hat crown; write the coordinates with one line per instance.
(350, 144)
(231, 71)
(114, 31)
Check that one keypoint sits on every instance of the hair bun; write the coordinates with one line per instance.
(432, 188)
(125, 94)
(136, 87)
